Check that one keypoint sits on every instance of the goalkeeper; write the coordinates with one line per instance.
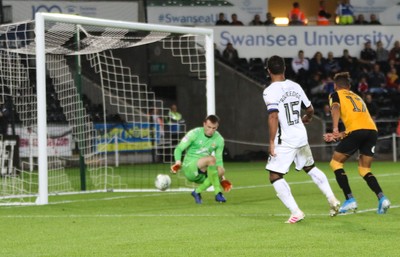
(203, 163)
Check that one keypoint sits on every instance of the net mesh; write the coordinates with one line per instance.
(106, 129)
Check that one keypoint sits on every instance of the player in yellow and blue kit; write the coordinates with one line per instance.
(360, 137)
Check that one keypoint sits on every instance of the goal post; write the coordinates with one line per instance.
(43, 197)
(119, 127)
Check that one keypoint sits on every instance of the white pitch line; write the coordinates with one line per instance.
(175, 192)
(166, 215)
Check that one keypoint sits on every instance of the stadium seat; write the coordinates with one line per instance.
(256, 62)
(243, 65)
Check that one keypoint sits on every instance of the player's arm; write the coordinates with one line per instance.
(309, 108)
(219, 153)
(178, 163)
(335, 111)
(336, 135)
(225, 183)
(273, 128)
(309, 114)
(180, 148)
(184, 144)
(329, 137)
(334, 103)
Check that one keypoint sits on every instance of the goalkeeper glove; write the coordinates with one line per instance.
(226, 185)
(175, 168)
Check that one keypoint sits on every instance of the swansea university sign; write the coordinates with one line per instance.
(287, 41)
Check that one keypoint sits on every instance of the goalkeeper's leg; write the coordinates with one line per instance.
(203, 186)
(208, 164)
(214, 178)
(211, 180)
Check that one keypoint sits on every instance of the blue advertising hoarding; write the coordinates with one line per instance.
(131, 137)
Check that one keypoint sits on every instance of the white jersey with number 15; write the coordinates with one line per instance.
(286, 97)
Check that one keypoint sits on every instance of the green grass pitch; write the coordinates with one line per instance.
(251, 223)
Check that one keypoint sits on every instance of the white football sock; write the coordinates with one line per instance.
(321, 181)
(285, 195)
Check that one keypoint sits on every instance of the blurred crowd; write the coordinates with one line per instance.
(375, 74)
(344, 15)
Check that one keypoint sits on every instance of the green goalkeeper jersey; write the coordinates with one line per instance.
(198, 145)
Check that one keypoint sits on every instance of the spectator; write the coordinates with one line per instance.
(345, 13)
(376, 80)
(392, 80)
(373, 20)
(230, 54)
(217, 53)
(256, 21)
(363, 72)
(317, 64)
(392, 64)
(321, 86)
(175, 116)
(326, 113)
(382, 57)
(269, 20)
(296, 15)
(394, 55)
(323, 16)
(221, 20)
(329, 86)
(157, 121)
(235, 21)
(314, 84)
(175, 122)
(348, 63)
(367, 56)
(362, 86)
(331, 65)
(361, 20)
(371, 105)
(294, 21)
(300, 66)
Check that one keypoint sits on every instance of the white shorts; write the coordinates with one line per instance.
(285, 156)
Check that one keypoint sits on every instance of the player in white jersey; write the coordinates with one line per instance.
(288, 141)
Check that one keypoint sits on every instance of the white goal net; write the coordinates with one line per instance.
(78, 114)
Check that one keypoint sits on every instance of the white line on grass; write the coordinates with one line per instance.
(179, 191)
(174, 215)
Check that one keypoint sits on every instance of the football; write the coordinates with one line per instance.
(162, 182)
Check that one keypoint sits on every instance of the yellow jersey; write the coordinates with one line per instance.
(353, 111)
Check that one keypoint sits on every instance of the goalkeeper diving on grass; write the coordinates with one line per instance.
(203, 160)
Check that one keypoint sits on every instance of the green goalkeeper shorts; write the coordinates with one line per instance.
(192, 172)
